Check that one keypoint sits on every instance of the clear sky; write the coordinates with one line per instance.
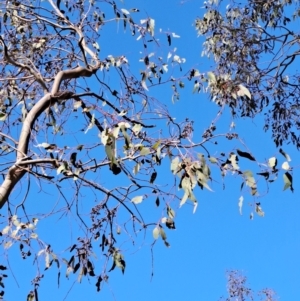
(214, 239)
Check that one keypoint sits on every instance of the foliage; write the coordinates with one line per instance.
(91, 128)
(253, 44)
(238, 289)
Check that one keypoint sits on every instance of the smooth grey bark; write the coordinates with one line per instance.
(16, 171)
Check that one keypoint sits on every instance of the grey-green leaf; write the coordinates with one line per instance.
(174, 165)
(245, 155)
(288, 181)
(288, 158)
(272, 162)
(258, 210)
(156, 232)
(137, 199)
(170, 212)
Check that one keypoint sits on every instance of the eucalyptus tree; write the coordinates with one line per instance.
(238, 289)
(255, 43)
(87, 129)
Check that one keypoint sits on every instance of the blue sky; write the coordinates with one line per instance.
(205, 244)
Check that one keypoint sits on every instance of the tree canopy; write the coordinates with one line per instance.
(92, 130)
(254, 44)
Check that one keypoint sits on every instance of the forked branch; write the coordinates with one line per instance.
(16, 172)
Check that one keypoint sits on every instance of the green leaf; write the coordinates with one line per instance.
(145, 151)
(162, 233)
(143, 81)
(122, 113)
(211, 78)
(181, 84)
(77, 104)
(8, 244)
(285, 165)
(258, 210)
(136, 168)
(119, 260)
(104, 137)
(115, 132)
(288, 181)
(264, 174)
(91, 125)
(250, 181)
(35, 220)
(213, 160)
(126, 137)
(110, 153)
(76, 174)
(81, 272)
(186, 184)
(169, 39)
(137, 128)
(244, 91)
(272, 162)
(5, 230)
(166, 244)
(233, 160)
(170, 212)
(248, 173)
(174, 165)
(109, 150)
(158, 155)
(73, 158)
(170, 224)
(98, 283)
(125, 11)
(184, 199)
(30, 296)
(69, 271)
(151, 25)
(156, 145)
(245, 155)
(137, 199)
(156, 232)
(47, 260)
(44, 145)
(288, 158)
(195, 206)
(241, 200)
(153, 177)
(196, 88)
(61, 168)
(202, 180)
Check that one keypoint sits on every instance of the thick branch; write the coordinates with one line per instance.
(16, 172)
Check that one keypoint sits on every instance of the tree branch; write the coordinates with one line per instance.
(37, 75)
(16, 172)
